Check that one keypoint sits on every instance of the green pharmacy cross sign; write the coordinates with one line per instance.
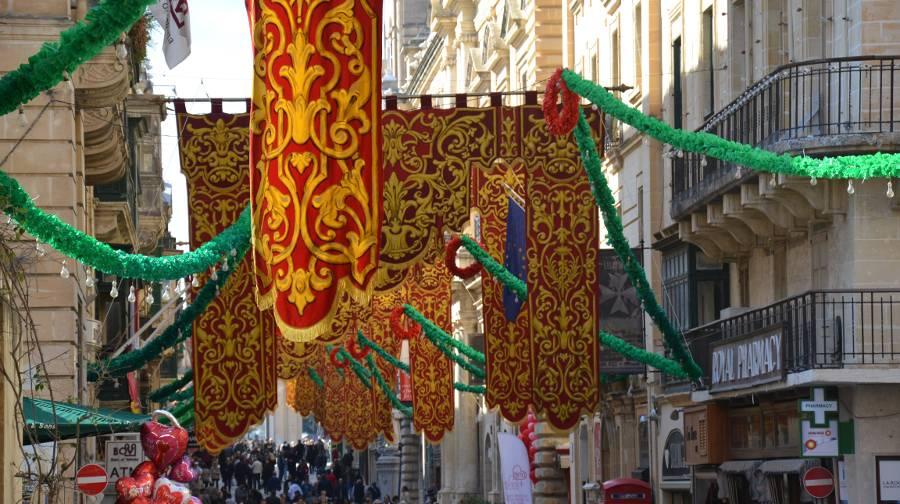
(819, 407)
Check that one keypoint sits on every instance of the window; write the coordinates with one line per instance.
(695, 288)
(638, 49)
(640, 209)
(677, 83)
(616, 59)
(707, 55)
(523, 81)
(504, 20)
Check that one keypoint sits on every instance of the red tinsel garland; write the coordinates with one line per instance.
(450, 260)
(558, 123)
(357, 352)
(403, 331)
(336, 361)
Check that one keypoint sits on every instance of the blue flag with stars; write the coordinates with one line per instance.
(515, 256)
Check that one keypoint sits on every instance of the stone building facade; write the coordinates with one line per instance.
(739, 258)
(88, 152)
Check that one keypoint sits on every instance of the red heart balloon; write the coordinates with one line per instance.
(145, 467)
(163, 444)
(131, 488)
(182, 471)
(167, 492)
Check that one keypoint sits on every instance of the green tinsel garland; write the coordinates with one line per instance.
(607, 203)
(436, 333)
(179, 331)
(496, 269)
(388, 391)
(840, 167)
(472, 389)
(634, 353)
(102, 26)
(50, 229)
(384, 354)
(358, 369)
(472, 368)
(182, 395)
(162, 394)
(181, 408)
(315, 377)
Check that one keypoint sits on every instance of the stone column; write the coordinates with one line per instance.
(410, 459)
(551, 480)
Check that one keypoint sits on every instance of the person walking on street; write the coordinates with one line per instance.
(359, 492)
(257, 473)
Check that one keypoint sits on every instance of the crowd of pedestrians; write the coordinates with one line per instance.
(296, 473)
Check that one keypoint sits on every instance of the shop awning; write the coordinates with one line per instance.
(785, 466)
(71, 421)
(739, 466)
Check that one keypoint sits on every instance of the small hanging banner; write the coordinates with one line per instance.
(316, 151)
(507, 349)
(380, 333)
(432, 371)
(233, 341)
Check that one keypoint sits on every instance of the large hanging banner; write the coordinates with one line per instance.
(316, 150)
(234, 348)
(427, 158)
(563, 238)
(332, 416)
(431, 370)
(507, 346)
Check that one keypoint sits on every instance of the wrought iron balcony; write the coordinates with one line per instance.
(822, 107)
(825, 329)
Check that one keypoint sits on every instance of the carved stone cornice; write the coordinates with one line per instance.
(101, 82)
(105, 154)
(113, 224)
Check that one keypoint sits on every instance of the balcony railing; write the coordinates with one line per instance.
(850, 98)
(825, 329)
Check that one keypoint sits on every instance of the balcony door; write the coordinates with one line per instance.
(695, 287)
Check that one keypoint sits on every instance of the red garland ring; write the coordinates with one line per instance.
(558, 123)
(357, 352)
(336, 361)
(403, 331)
(450, 260)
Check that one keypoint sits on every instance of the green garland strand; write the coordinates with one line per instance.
(314, 376)
(358, 369)
(436, 333)
(384, 354)
(388, 391)
(102, 26)
(174, 334)
(472, 389)
(634, 353)
(182, 395)
(162, 394)
(607, 203)
(470, 367)
(839, 167)
(52, 230)
(496, 269)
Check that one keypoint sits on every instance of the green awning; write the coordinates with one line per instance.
(72, 421)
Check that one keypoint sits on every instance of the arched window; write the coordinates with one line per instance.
(488, 466)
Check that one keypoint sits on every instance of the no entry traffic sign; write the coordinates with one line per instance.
(91, 479)
(818, 482)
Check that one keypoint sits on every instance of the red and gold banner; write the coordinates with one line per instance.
(563, 239)
(427, 158)
(380, 333)
(507, 346)
(234, 348)
(431, 370)
(316, 177)
(293, 356)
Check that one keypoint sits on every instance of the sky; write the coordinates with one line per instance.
(219, 66)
